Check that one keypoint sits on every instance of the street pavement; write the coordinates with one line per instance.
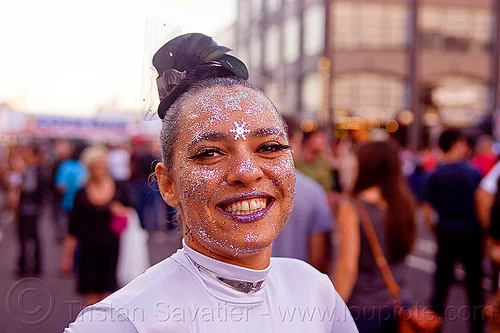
(49, 303)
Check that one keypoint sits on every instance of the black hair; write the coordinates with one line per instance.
(448, 139)
(198, 74)
(379, 166)
(78, 148)
(187, 56)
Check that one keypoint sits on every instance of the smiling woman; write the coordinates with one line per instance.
(228, 168)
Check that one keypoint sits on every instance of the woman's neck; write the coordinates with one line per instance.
(258, 260)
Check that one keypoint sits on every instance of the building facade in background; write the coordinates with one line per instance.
(385, 61)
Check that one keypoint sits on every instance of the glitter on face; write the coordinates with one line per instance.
(233, 101)
(248, 166)
(201, 186)
(251, 237)
(240, 130)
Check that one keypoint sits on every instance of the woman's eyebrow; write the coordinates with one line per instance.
(219, 136)
(263, 132)
(207, 136)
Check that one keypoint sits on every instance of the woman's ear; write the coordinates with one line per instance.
(166, 185)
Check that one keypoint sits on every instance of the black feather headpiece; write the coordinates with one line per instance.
(182, 56)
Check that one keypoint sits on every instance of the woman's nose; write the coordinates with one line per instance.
(244, 171)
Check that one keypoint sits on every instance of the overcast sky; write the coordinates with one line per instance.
(69, 57)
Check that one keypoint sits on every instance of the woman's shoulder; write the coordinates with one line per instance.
(293, 274)
(140, 302)
(157, 282)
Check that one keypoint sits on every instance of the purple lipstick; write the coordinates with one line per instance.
(246, 208)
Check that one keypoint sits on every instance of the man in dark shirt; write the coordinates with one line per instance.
(449, 190)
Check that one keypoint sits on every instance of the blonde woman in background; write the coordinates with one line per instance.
(90, 227)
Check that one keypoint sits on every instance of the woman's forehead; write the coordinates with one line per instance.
(218, 105)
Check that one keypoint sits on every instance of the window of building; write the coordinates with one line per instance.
(344, 25)
(312, 95)
(455, 28)
(368, 91)
(396, 32)
(456, 22)
(461, 101)
(314, 30)
(369, 25)
(395, 93)
(481, 28)
(344, 93)
(292, 40)
(460, 91)
(429, 18)
(369, 95)
(273, 48)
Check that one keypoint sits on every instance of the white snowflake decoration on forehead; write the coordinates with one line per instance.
(239, 130)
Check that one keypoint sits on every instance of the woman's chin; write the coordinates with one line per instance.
(240, 245)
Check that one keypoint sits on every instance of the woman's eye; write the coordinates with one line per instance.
(207, 154)
(272, 148)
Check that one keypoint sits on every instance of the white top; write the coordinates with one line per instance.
(489, 182)
(174, 296)
(119, 164)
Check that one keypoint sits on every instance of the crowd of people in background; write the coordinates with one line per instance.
(55, 174)
(453, 183)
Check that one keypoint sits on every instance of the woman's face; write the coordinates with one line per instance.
(233, 176)
(98, 169)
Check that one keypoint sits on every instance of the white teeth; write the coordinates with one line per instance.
(254, 205)
(246, 206)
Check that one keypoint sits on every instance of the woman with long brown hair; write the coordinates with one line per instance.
(381, 191)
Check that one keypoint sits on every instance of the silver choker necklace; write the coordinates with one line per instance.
(243, 286)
